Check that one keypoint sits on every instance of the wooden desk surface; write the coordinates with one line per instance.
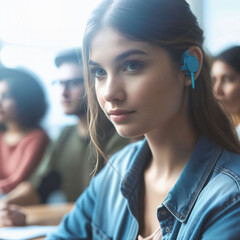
(46, 214)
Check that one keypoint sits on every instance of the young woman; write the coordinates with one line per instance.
(226, 77)
(146, 68)
(23, 142)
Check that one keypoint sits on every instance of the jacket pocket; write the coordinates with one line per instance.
(98, 234)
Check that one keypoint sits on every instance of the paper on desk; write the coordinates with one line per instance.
(24, 233)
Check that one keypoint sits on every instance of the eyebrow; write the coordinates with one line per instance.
(122, 56)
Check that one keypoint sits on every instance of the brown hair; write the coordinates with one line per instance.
(28, 93)
(231, 57)
(170, 24)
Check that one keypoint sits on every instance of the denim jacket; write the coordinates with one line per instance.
(203, 204)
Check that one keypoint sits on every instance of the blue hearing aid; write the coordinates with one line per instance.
(190, 65)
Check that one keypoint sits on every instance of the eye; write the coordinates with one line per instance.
(98, 72)
(74, 82)
(231, 78)
(132, 66)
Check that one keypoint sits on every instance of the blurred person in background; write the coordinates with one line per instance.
(22, 141)
(145, 63)
(226, 82)
(71, 160)
(66, 168)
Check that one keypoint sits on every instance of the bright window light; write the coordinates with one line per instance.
(32, 32)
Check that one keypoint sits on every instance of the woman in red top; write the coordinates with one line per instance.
(22, 142)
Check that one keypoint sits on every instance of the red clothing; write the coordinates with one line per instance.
(17, 162)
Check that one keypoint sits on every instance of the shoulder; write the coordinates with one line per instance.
(119, 164)
(115, 143)
(230, 160)
(228, 165)
(38, 134)
(219, 201)
(67, 132)
(106, 185)
(125, 155)
(223, 188)
(69, 128)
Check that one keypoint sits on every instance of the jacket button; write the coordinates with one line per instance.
(168, 230)
(163, 212)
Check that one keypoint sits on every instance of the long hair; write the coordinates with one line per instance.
(169, 24)
(26, 90)
(231, 57)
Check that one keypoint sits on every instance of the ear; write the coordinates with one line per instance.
(197, 52)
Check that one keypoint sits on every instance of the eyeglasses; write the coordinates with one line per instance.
(69, 84)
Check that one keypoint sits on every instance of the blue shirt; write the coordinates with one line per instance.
(203, 204)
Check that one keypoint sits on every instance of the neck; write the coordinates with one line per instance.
(14, 133)
(171, 149)
(13, 127)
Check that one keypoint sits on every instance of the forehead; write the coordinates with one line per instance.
(67, 71)
(220, 67)
(108, 43)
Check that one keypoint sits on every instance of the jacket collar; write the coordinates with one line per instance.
(135, 169)
(194, 176)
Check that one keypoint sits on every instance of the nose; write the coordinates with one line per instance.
(218, 88)
(113, 89)
(64, 90)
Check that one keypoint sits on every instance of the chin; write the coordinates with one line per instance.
(68, 112)
(129, 134)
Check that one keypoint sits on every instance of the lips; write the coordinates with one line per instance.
(119, 116)
(118, 112)
(66, 102)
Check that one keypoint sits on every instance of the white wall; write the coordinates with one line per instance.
(197, 8)
(33, 32)
(221, 24)
(220, 20)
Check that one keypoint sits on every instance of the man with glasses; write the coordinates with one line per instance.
(67, 165)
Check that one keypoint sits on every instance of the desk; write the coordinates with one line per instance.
(46, 214)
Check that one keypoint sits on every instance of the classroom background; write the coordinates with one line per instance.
(32, 32)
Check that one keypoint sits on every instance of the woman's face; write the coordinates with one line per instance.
(7, 104)
(226, 86)
(137, 85)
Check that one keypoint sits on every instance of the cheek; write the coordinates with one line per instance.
(232, 98)
(232, 91)
(10, 109)
(163, 90)
(80, 91)
(77, 95)
(158, 100)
